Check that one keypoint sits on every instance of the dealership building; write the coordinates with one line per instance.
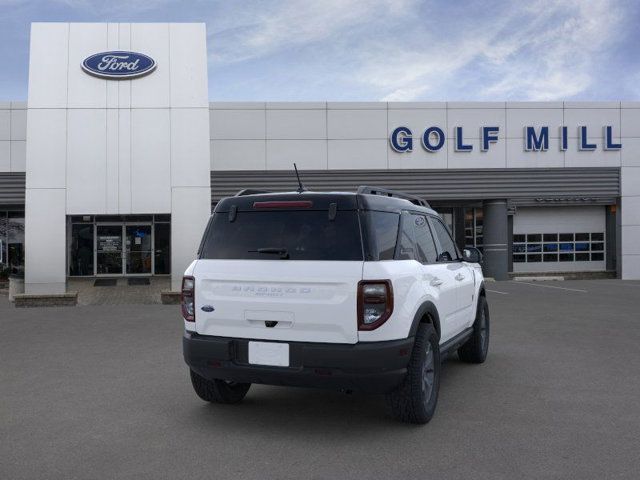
(113, 164)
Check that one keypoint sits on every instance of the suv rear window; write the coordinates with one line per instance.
(301, 234)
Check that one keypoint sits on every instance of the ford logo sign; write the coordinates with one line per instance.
(118, 65)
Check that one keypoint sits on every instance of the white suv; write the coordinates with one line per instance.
(356, 292)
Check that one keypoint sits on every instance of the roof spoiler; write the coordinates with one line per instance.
(365, 189)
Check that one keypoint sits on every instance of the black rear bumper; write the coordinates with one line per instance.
(373, 367)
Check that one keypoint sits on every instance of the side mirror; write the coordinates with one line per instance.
(472, 255)
(444, 257)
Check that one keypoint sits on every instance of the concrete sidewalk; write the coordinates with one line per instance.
(120, 294)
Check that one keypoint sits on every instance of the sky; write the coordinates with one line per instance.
(377, 50)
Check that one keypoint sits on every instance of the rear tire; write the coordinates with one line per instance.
(415, 400)
(218, 391)
(476, 348)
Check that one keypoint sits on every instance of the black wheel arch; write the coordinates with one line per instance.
(427, 313)
(482, 292)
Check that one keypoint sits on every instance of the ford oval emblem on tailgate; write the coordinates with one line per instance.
(207, 308)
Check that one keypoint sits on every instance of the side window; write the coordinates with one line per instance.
(424, 241)
(448, 251)
(384, 234)
(406, 242)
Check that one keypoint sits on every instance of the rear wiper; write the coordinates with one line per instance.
(284, 254)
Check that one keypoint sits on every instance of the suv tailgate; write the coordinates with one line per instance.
(306, 300)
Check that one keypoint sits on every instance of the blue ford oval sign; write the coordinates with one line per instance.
(118, 65)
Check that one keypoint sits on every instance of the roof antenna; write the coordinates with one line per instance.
(301, 187)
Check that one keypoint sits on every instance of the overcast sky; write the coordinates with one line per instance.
(402, 50)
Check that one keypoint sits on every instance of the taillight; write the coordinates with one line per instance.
(375, 303)
(188, 300)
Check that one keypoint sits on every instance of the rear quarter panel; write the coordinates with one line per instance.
(410, 291)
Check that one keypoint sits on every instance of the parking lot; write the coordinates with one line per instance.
(102, 392)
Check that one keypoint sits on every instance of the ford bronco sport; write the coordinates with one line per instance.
(361, 291)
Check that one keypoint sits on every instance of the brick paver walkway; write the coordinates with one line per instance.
(121, 294)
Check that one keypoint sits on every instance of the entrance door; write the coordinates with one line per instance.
(109, 249)
(139, 249)
(124, 249)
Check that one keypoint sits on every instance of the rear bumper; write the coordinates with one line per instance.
(373, 367)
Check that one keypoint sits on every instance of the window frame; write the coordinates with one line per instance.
(415, 238)
(433, 218)
(404, 215)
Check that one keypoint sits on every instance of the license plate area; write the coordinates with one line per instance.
(269, 353)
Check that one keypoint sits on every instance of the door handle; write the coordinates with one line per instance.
(459, 277)
(436, 282)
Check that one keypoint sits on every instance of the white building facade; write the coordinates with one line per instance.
(102, 147)
(117, 176)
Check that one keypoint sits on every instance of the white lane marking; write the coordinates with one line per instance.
(615, 283)
(551, 286)
(496, 291)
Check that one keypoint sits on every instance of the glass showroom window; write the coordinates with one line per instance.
(162, 244)
(81, 249)
(11, 242)
(119, 245)
(473, 227)
(4, 261)
(558, 247)
(447, 218)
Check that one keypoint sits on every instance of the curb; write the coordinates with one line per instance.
(538, 279)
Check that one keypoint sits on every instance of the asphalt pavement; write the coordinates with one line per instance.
(102, 392)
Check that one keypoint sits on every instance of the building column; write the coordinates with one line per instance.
(45, 241)
(191, 208)
(618, 245)
(510, 242)
(496, 239)
(629, 258)
(610, 238)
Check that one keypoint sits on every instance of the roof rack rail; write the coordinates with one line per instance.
(366, 189)
(250, 191)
